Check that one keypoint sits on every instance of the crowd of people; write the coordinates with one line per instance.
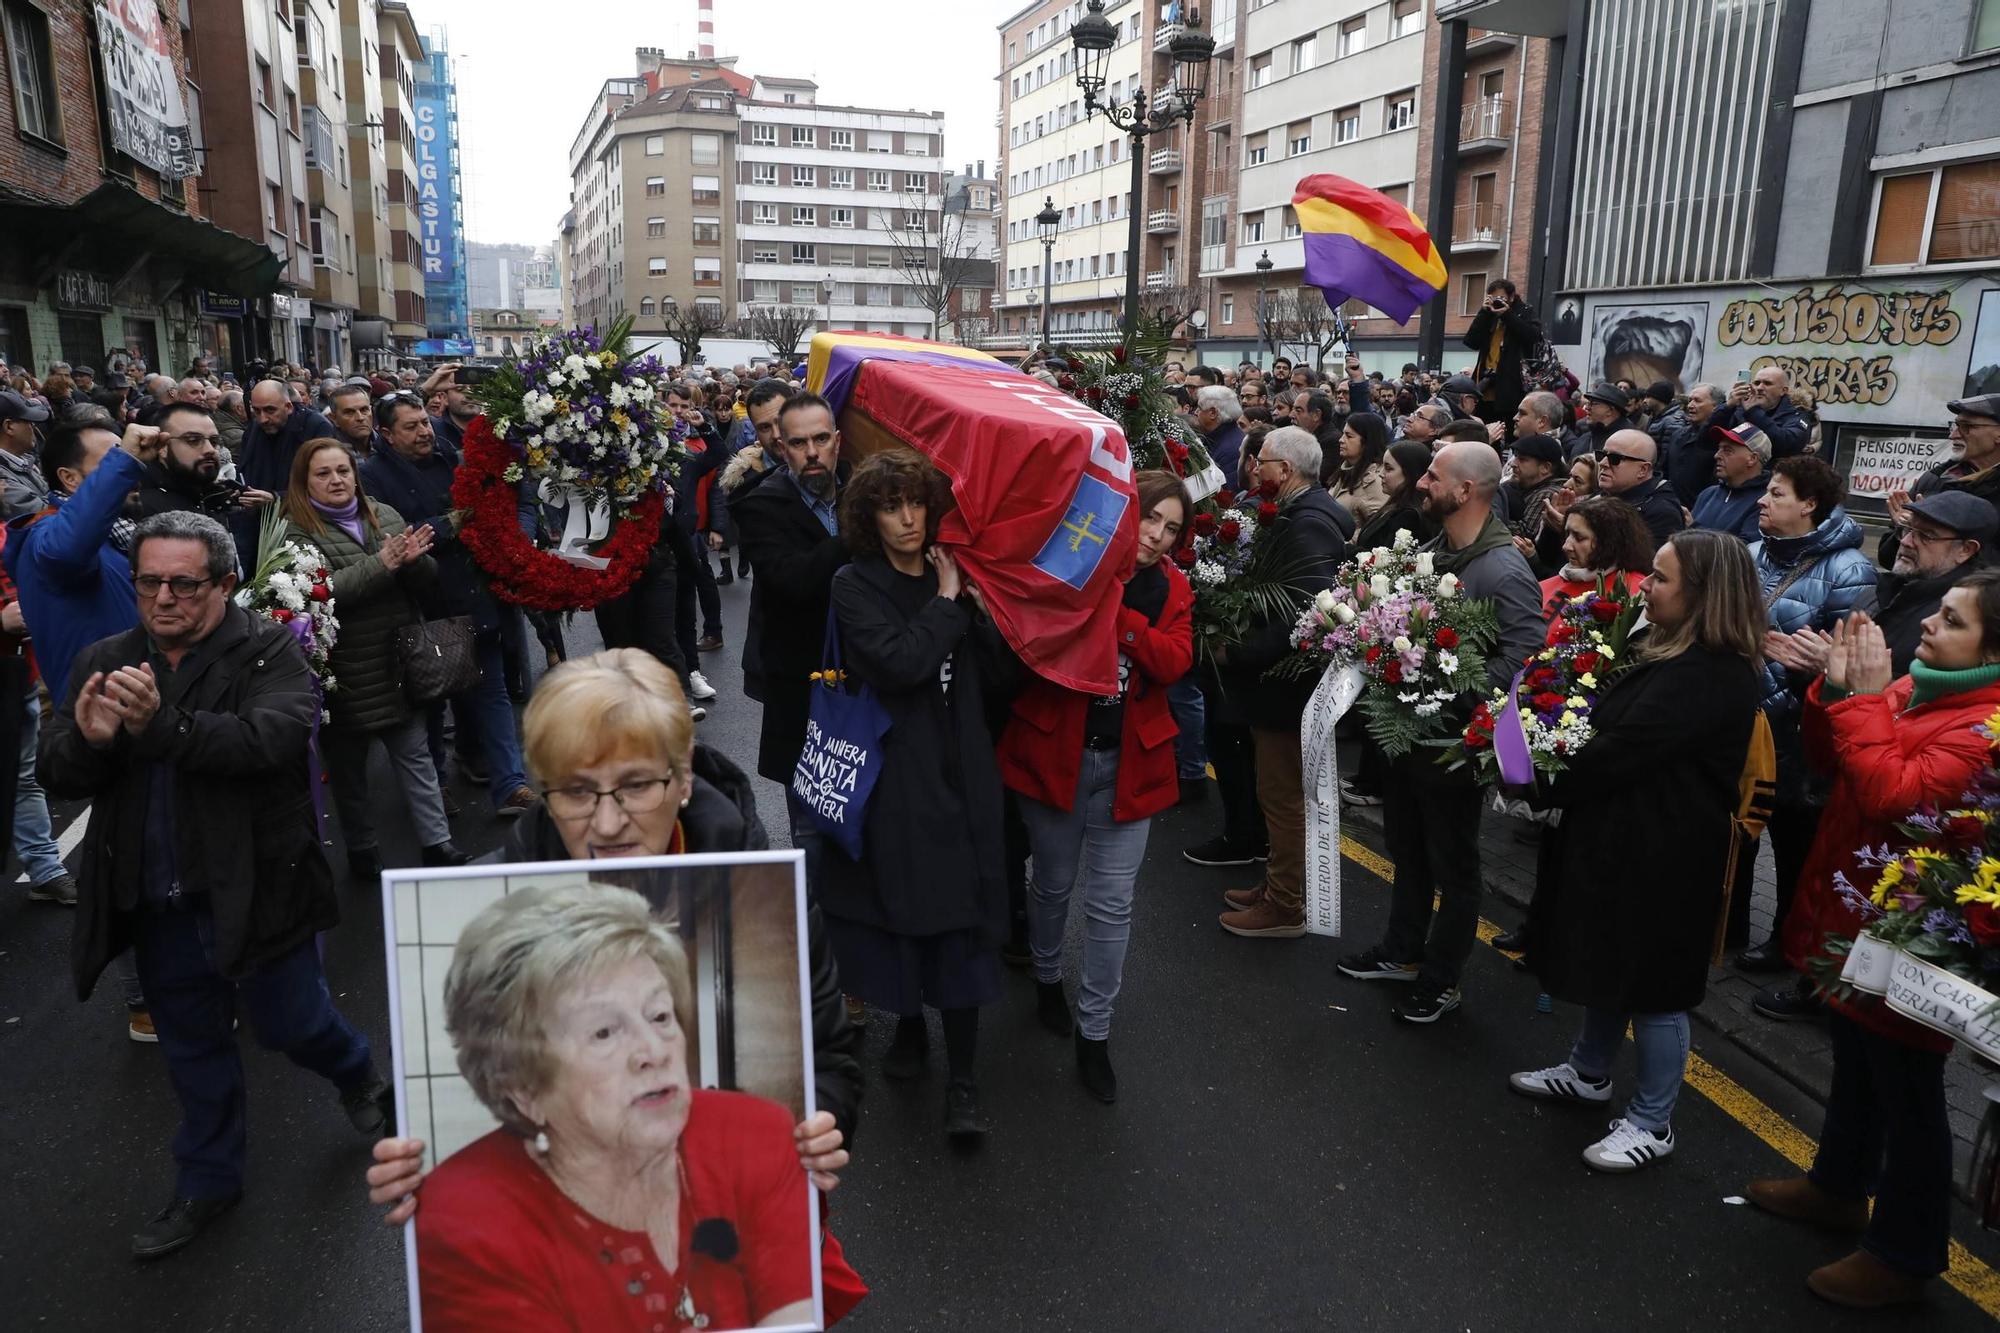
(1005, 801)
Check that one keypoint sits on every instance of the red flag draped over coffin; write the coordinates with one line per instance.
(1046, 521)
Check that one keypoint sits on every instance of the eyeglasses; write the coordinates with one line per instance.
(194, 439)
(183, 585)
(1924, 537)
(634, 798)
(1613, 460)
(1965, 425)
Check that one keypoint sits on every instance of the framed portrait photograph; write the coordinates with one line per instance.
(605, 1061)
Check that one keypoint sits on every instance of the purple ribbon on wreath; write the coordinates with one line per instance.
(1510, 739)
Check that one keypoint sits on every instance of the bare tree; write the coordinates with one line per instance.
(937, 263)
(1278, 320)
(782, 326)
(1173, 305)
(1317, 325)
(689, 324)
(971, 330)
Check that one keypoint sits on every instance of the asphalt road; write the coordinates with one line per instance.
(1284, 1155)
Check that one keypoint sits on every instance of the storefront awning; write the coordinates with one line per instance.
(113, 224)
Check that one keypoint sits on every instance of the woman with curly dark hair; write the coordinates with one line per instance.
(1603, 537)
(919, 918)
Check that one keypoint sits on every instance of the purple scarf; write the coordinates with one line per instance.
(348, 518)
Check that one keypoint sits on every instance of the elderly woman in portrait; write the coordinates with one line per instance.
(610, 738)
(615, 1194)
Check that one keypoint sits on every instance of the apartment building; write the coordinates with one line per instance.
(399, 53)
(368, 169)
(677, 228)
(335, 291)
(972, 200)
(825, 195)
(596, 291)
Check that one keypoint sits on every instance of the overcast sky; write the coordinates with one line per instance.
(525, 86)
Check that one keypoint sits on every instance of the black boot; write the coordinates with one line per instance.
(1765, 957)
(963, 1118)
(1052, 1006)
(725, 578)
(909, 1051)
(1093, 1066)
(445, 854)
(177, 1224)
(364, 864)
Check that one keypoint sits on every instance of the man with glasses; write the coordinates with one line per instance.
(1974, 467)
(203, 708)
(187, 477)
(1422, 426)
(1625, 472)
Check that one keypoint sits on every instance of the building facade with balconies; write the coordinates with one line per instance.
(330, 215)
(676, 228)
(399, 52)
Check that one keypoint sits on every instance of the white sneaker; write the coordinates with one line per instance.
(698, 686)
(1561, 1083)
(1627, 1148)
(697, 712)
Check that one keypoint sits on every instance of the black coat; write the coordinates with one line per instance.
(795, 560)
(1308, 545)
(1500, 383)
(1630, 886)
(1902, 604)
(1588, 437)
(721, 816)
(1659, 505)
(234, 722)
(933, 854)
(1944, 477)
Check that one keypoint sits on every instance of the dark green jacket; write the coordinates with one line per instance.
(371, 603)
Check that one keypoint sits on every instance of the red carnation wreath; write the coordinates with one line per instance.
(522, 572)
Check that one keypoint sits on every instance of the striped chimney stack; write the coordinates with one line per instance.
(705, 28)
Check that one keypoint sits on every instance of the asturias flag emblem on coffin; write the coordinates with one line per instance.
(1044, 514)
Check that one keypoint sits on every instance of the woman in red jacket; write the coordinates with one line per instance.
(1892, 746)
(1091, 772)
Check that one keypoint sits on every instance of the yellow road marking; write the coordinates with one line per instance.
(1969, 1275)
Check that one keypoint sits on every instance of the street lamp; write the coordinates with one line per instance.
(1263, 275)
(1046, 223)
(1094, 36)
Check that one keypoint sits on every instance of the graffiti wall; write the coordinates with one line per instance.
(1885, 352)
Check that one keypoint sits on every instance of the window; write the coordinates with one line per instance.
(764, 215)
(706, 189)
(31, 61)
(763, 173)
(1260, 70)
(1985, 27)
(648, 306)
(655, 186)
(805, 293)
(705, 150)
(1291, 224)
(764, 254)
(1228, 309)
(1353, 38)
(916, 181)
(656, 226)
(881, 259)
(1347, 124)
(919, 145)
(804, 253)
(878, 181)
(1214, 234)
(840, 178)
(707, 272)
(1298, 138)
(841, 139)
(1255, 148)
(1942, 215)
(879, 142)
(1253, 228)
(840, 217)
(804, 136)
(656, 267)
(1303, 51)
(878, 294)
(1406, 18)
(805, 177)
(764, 293)
(840, 256)
(805, 216)
(1471, 292)
(1400, 112)
(656, 145)
(708, 231)
(968, 301)
(764, 136)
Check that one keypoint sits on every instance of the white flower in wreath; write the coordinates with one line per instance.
(1379, 585)
(1400, 644)
(1344, 613)
(1325, 602)
(1448, 663)
(1426, 565)
(1405, 539)
(618, 397)
(574, 365)
(1448, 586)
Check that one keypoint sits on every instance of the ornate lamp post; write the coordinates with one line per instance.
(1093, 37)
(1046, 223)
(1263, 276)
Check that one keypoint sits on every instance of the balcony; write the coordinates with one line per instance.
(1163, 36)
(1165, 161)
(1489, 43)
(1156, 279)
(1486, 125)
(1476, 227)
(1162, 222)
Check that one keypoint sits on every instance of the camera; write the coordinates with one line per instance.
(222, 498)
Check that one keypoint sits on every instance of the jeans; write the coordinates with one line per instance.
(34, 833)
(1235, 758)
(704, 585)
(806, 837)
(1431, 828)
(1281, 792)
(1886, 1130)
(347, 751)
(1191, 746)
(288, 1009)
(485, 717)
(1085, 847)
(1662, 1040)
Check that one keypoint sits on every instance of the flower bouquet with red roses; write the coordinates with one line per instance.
(1533, 728)
(1930, 943)
(292, 586)
(1232, 570)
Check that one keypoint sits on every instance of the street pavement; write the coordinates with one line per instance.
(1284, 1154)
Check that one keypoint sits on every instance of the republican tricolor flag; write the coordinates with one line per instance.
(1361, 243)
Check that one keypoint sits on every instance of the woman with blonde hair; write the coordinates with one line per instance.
(1631, 879)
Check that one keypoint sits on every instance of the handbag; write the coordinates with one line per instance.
(842, 757)
(437, 659)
